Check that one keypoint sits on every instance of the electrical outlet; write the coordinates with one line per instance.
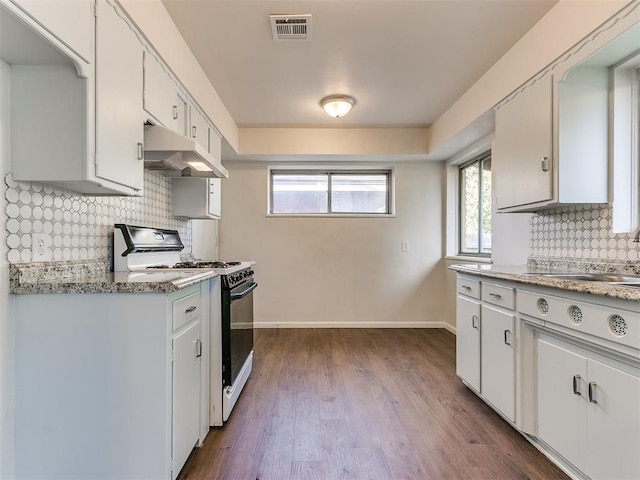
(404, 245)
(41, 247)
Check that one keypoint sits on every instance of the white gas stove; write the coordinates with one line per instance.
(156, 250)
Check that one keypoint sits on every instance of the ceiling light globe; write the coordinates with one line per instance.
(337, 105)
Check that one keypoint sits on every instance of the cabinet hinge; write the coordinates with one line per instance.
(94, 6)
(95, 159)
(173, 356)
(172, 467)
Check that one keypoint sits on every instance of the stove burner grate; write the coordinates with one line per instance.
(191, 265)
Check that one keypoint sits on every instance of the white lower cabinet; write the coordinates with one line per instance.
(111, 385)
(186, 394)
(468, 341)
(498, 360)
(589, 410)
(485, 355)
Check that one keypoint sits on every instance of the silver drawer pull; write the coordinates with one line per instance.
(190, 309)
(175, 112)
(474, 321)
(198, 348)
(576, 390)
(194, 131)
(140, 151)
(507, 337)
(497, 296)
(544, 164)
(466, 287)
(592, 392)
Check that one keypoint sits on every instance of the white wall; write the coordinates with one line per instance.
(7, 430)
(341, 271)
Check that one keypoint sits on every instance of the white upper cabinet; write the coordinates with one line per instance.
(88, 116)
(522, 150)
(196, 197)
(119, 127)
(550, 144)
(160, 94)
(70, 21)
(555, 134)
(199, 130)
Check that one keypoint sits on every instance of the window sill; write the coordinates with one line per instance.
(333, 215)
(469, 258)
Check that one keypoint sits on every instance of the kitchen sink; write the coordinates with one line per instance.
(624, 279)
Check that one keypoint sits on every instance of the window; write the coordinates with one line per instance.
(475, 207)
(330, 192)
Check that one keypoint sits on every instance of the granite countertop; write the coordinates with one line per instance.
(530, 275)
(93, 276)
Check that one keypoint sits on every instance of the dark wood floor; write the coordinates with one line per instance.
(362, 404)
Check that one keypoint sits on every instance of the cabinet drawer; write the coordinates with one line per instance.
(186, 310)
(467, 286)
(498, 295)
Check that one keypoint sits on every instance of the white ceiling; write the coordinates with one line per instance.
(405, 61)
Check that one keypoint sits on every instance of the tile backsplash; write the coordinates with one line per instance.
(580, 231)
(82, 227)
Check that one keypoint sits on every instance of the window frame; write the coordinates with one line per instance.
(330, 170)
(625, 117)
(477, 159)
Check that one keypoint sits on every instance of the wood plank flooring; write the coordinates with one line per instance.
(384, 404)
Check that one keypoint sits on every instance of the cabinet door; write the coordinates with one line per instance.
(160, 93)
(614, 423)
(468, 341)
(562, 414)
(523, 138)
(119, 126)
(214, 197)
(498, 360)
(186, 395)
(199, 128)
(72, 22)
(182, 122)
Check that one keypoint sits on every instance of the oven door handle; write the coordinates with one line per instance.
(238, 295)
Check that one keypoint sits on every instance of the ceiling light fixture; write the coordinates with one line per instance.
(337, 105)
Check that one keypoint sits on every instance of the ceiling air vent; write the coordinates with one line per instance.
(291, 27)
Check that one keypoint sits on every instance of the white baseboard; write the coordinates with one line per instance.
(444, 325)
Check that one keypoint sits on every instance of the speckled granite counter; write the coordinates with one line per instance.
(93, 276)
(527, 275)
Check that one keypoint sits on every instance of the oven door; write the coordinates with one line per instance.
(237, 330)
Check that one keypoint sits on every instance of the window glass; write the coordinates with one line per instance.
(358, 193)
(475, 207)
(330, 192)
(291, 193)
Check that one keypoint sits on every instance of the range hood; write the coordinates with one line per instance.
(174, 155)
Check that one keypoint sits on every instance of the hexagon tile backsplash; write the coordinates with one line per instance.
(580, 232)
(82, 227)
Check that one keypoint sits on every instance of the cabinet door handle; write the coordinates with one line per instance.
(592, 392)
(198, 348)
(194, 131)
(544, 164)
(507, 337)
(576, 389)
(175, 112)
(497, 296)
(140, 151)
(190, 309)
(474, 321)
(466, 287)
